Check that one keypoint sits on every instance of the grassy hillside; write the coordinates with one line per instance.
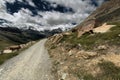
(90, 41)
(5, 57)
(4, 42)
(80, 58)
(92, 56)
(13, 36)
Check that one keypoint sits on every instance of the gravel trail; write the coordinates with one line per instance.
(31, 64)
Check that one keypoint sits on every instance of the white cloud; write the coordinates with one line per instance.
(99, 2)
(30, 3)
(11, 1)
(50, 19)
(77, 5)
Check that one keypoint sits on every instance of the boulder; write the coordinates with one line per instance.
(102, 47)
(88, 26)
(56, 38)
(29, 43)
(23, 46)
(15, 47)
(64, 75)
(7, 51)
(67, 33)
(33, 42)
(102, 29)
(118, 35)
(85, 54)
(85, 29)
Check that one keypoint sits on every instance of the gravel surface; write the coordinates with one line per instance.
(31, 64)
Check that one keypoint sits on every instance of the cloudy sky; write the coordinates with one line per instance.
(45, 14)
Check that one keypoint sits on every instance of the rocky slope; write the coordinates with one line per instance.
(90, 51)
(108, 12)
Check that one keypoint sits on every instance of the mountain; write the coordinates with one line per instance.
(35, 19)
(25, 20)
(12, 35)
(91, 50)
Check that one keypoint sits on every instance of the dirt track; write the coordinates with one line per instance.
(32, 64)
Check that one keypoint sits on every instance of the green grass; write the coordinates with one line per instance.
(109, 71)
(83, 75)
(4, 57)
(5, 43)
(89, 41)
(53, 46)
(12, 36)
(88, 77)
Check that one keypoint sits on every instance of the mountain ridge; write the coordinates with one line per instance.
(12, 35)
